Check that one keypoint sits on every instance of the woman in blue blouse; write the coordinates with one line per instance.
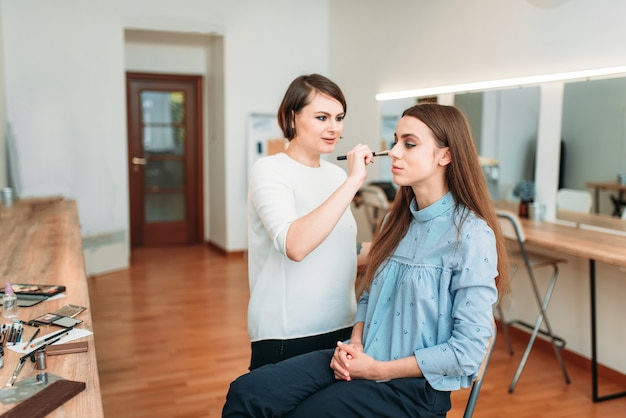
(423, 324)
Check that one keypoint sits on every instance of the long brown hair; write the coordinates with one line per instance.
(465, 180)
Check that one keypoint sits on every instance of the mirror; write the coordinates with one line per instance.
(505, 125)
(594, 133)
(390, 115)
(508, 114)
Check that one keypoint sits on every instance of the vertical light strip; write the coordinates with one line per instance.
(622, 167)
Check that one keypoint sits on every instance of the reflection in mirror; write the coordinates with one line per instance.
(504, 125)
(594, 133)
(390, 115)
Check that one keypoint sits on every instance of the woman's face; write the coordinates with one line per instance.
(416, 159)
(319, 124)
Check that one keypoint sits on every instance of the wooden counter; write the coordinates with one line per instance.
(40, 242)
(579, 241)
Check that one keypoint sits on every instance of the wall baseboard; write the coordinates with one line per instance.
(225, 253)
(105, 252)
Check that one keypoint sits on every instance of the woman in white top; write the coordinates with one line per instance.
(301, 231)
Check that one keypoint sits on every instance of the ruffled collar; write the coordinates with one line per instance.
(444, 204)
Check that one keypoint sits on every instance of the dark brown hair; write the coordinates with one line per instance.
(465, 180)
(298, 95)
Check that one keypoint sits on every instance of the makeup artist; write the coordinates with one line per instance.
(302, 249)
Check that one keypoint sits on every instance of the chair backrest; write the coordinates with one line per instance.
(478, 381)
(514, 232)
(510, 225)
(572, 199)
(374, 199)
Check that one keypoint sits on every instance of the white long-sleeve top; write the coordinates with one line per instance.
(291, 299)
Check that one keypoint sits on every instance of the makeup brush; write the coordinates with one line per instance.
(376, 154)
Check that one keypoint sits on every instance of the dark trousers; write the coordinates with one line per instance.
(272, 351)
(305, 387)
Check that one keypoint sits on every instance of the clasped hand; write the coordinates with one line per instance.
(350, 362)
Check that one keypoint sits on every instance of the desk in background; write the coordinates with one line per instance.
(620, 199)
(41, 243)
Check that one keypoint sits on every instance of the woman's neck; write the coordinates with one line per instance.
(426, 196)
(302, 155)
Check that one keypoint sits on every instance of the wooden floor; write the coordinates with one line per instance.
(171, 335)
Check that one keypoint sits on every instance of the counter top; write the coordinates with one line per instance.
(40, 243)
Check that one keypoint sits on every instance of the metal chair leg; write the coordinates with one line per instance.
(541, 318)
(544, 307)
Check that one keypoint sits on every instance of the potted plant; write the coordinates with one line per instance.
(525, 190)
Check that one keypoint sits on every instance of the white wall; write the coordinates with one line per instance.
(407, 44)
(64, 71)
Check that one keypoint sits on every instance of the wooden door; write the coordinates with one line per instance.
(165, 158)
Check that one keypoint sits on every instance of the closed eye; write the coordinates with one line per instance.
(407, 145)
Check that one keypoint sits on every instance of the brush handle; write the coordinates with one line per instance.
(376, 154)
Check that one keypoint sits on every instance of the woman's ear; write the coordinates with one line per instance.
(445, 157)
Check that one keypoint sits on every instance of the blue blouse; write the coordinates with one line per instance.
(434, 296)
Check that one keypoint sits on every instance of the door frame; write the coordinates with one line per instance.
(196, 235)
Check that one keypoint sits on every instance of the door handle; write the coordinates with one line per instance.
(139, 161)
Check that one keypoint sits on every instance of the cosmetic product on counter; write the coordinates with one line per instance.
(9, 302)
